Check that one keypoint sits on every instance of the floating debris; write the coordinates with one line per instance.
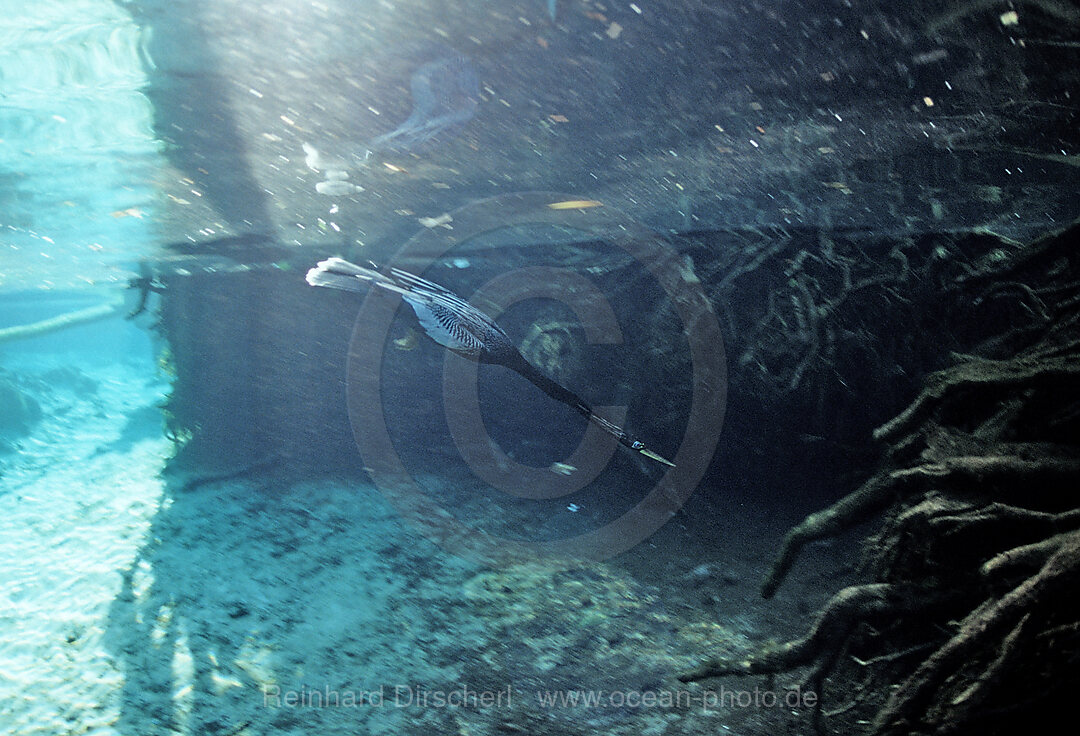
(317, 162)
(408, 341)
(929, 57)
(687, 271)
(442, 220)
(129, 212)
(575, 204)
(336, 188)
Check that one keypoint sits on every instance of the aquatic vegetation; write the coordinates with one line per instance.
(445, 93)
(166, 363)
(175, 430)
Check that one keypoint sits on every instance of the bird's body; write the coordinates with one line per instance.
(454, 323)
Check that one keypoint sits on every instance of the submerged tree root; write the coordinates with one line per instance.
(871, 498)
(970, 622)
(994, 627)
(852, 605)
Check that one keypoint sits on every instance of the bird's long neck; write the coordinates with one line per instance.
(566, 396)
(549, 387)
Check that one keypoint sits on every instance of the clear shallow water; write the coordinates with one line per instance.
(130, 128)
(79, 149)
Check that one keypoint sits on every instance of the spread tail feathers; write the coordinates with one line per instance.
(337, 273)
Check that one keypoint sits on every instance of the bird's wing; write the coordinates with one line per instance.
(443, 300)
(415, 283)
(447, 318)
(443, 323)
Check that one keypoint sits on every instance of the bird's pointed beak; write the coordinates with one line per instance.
(650, 454)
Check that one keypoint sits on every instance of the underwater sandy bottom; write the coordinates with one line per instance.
(249, 607)
(75, 505)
